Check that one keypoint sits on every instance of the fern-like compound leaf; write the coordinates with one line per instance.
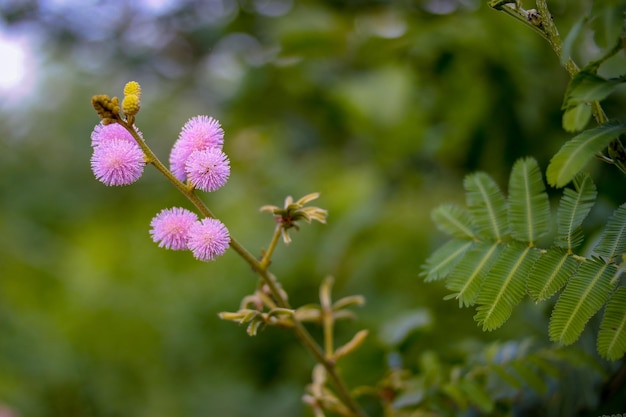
(613, 240)
(505, 375)
(487, 205)
(454, 220)
(467, 277)
(530, 376)
(444, 259)
(575, 154)
(583, 296)
(550, 273)
(505, 285)
(529, 208)
(492, 260)
(612, 336)
(477, 395)
(573, 209)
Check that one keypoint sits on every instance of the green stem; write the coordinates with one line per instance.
(260, 268)
(517, 13)
(548, 30)
(184, 189)
(267, 256)
(327, 317)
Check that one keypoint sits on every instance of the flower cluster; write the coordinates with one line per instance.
(117, 159)
(180, 229)
(197, 155)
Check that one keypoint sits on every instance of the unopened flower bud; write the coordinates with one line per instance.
(132, 88)
(131, 104)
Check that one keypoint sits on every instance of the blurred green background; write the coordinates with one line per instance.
(382, 106)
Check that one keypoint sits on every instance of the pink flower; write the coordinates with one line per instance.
(170, 227)
(106, 133)
(199, 133)
(117, 162)
(208, 170)
(207, 239)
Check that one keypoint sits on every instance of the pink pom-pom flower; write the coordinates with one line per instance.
(198, 134)
(107, 133)
(169, 228)
(207, 239)
(208, 170)
(117, 162)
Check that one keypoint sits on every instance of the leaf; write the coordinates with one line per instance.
(550, 273)
(586, 86)
(504, 286)
(506, 376)
(612, 336)
(575, 154)
(467, 277)
(573, 209)
(568, 42)
(613, 239)
(453, 390)
(544, 365)
(454, 220)
(487, 205)
(477, 395)
(396, 330)
(584, 295)
(529, 208)
(529, 376)
(444, 259)
(607, 22)
(575, 118)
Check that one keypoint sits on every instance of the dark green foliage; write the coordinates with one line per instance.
(575, 154)
(467, 277)
(551, 271)
(505, 285)
(613, 240)
(501, 268)
(612, 337)
(573, 208)
(586, 292)
(491, 380)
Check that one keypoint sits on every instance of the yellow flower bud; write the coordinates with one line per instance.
(106, 107)
(132, 87)
(131, 104)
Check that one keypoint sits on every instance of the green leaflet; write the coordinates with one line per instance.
(467, 277)
(587, 86)
(613, 240)
(568, 42)
(487, 205)
(454, 220)
(584, 295)
(504, 286)
(612, 336)
(550, 273)
(506, 376)
(530, 376)
(573, 209)
(492, 260)
(477, 395)
(529, 208)
(575, 154)
(607, 22)
(575, 118)
(443, 260)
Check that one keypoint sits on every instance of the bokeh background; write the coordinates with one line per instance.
(382, 106)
